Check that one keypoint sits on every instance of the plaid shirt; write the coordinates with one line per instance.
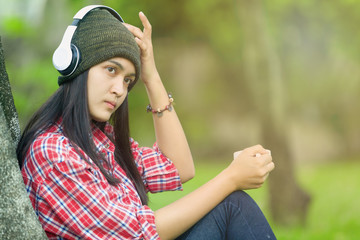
(72, 198)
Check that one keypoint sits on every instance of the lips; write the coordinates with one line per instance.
(110, 104)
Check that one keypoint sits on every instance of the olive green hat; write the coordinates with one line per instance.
(100, 36)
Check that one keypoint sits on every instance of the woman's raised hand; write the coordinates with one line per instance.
(143, 39)
(250, 168)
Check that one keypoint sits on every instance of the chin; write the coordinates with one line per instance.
(101, 119)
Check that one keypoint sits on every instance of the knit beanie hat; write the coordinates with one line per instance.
(99, 37)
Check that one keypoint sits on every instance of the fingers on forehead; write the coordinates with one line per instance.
(134, 30)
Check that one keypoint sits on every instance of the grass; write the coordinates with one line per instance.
(334, 212)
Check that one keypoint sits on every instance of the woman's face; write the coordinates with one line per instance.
(107, 87)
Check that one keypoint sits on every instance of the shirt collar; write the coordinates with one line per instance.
(101, 140)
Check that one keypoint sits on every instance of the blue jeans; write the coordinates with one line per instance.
(236, 217)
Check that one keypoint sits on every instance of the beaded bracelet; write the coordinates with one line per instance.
(159, 111)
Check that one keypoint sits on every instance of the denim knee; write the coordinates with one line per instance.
(236, 217)
(239, 198)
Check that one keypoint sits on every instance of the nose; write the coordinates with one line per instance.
(118, 88)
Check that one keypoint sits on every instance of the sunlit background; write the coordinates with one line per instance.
(281, 73)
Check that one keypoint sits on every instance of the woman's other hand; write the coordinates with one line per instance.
(250, 168)
(144, 41)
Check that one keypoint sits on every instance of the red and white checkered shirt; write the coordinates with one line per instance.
(72, 198)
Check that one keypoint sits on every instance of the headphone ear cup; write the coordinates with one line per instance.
(75, 59)
(66, 60)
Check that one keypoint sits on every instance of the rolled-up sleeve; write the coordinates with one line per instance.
(158, 172)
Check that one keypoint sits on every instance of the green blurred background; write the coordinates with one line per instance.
(219, 58)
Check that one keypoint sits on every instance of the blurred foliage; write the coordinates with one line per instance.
(15, 26)
(199, 53)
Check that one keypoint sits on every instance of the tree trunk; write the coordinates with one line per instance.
(17, 216)
(262, 69)
(6, 100)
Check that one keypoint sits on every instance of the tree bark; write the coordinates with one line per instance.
(7, 101)
(262, 69)
(17, 217)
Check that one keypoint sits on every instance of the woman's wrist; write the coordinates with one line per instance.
(229, 179)
(159, 111)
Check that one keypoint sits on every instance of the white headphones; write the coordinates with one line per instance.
(67, 56)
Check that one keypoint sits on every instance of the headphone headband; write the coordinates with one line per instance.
(67, 56)
(85, 10)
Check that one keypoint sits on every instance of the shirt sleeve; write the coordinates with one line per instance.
(158, 172)
(74, 200)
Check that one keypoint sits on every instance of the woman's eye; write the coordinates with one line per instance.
(128, 81)
(111, 69)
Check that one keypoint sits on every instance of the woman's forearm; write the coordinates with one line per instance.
(169, 133)
(247, 171)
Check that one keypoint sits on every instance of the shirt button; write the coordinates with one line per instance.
(107, 145)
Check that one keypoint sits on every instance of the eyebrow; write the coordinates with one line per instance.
(120, 66)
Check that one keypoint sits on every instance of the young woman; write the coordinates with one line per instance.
(87, 179)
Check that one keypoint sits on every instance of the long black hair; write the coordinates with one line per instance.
(69, 102)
